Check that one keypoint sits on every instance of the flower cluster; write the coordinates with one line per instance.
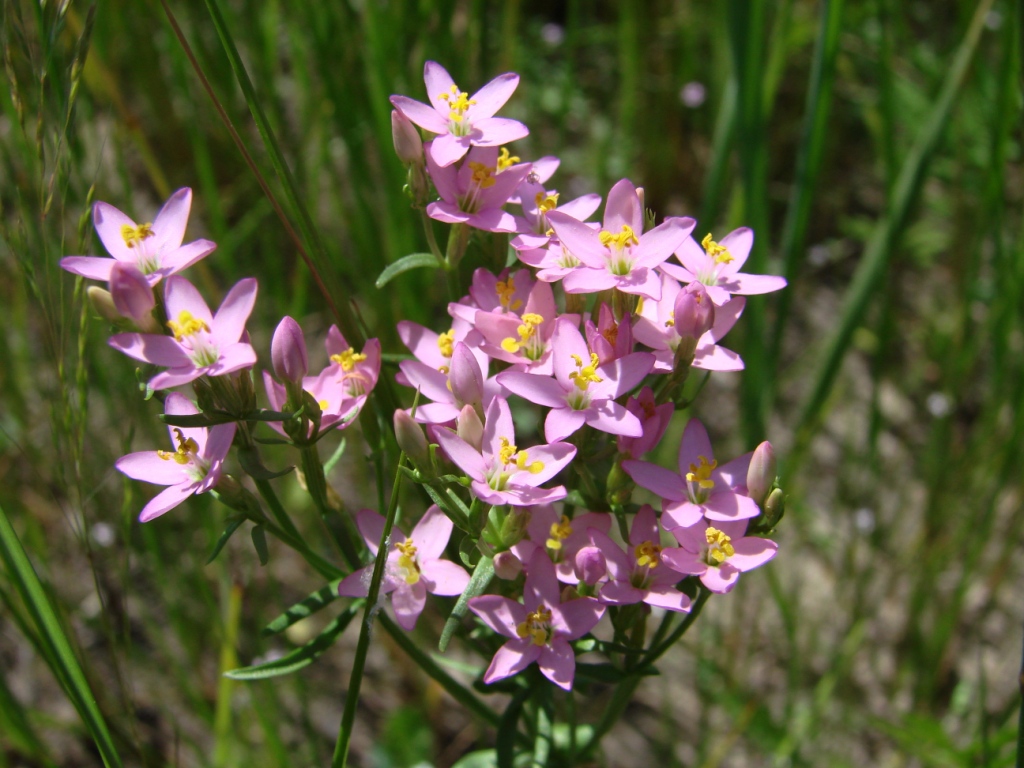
(585, 334)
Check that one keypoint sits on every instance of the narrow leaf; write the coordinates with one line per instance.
(404, 264)
(259, 540)
(233, 524)
(303, 609)
(482, 575)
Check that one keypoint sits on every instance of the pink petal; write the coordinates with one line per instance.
(608, 416)
(431, 534)
(683, 560)
(498, 424)
(219, 442)
(462, 453)
(233, 357)
(619, 564)
(175, 377)
(582, 241)
(644, 527)
(439, 83)
(711, 357)
(729, 506)
(562, 422)
(554, 457)
(541, 583)
(513, 657)
(495, 131)
(623, 207)
(620, 593)
(589, 280)
(695, 444)
(692, 257)
(750, 285)
(432, 383)
(659, 243)
(492, 96)
(739, 242)
(542, 390)
(108, 222)
(229, 322)
(582, 208)
(752, 552)
(447, 149)
(425, 117)
(623, 374)
(726, 317)
(149, 467)
(680, 514)
(371, 528)
(499, 613)
(181, 296)
(185, 256)
(408, 600)
(721, 579)
(558, 663)
(669, 598)
(92, 267)
(165, 501)
(357, 583)
(682, 274)
(170, 222)
(422, 342)
(656, 479)
(446, 577)
(151, 348)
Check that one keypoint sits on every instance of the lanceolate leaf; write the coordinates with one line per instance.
(304, 608)
(404, 264)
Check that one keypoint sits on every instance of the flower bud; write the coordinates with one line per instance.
(513, 526)
(694, 312)
(620, 485)
(507, 566)
(132, 295)
(761, 473)
(774, 507)
(591, 565)
(465, 378)
(411, 439)
(654, 420)
(408, 144)
(288, 352)
(469, 427)
(103, 303)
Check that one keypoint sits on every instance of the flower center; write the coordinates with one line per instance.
(348, 359)
(719, 253)
(648, 554)
(135, 235)
(559, 532)
(699, 478)
(585, 374)
(620, 249)
(537, 626)
(187, 455)
(505, 290)
(720, 547)
(458, 104)
(527, 332)
(505, 160)
(508, 454)
(193, 334)
(408, 568)
(567, 260)
(445, 342)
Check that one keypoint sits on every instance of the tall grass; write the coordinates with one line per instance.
(875, 149)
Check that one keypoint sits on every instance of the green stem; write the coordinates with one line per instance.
(428, 228)
(348, 717)
(656, 651)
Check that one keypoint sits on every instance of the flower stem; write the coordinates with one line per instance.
(348, 717)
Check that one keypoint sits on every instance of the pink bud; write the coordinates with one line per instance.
(694, 312)
(761, 472)
(507, 566)
(288, 351)
(469, 427)
(132, 295)
(591, 565)
(465, 378)
(408, 144)
(654, 421)
(411, 439)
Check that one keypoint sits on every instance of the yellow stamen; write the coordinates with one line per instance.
(671, 319)
(560, 531)
(648, 554)
(717, 252)
(186, 325)
(445, 342)
(505, 160)
(537, 626)
(546, 201)
(626, 237)
(348, 359)
(505, 290)
(458, 102)
(702, 474)
(527, 330)
(533, 468)
(506, 452)
(135, 235)
(407, 561)
(483, 175)
(323, 404)
(586, 374)
(720, 546)
(187, 449)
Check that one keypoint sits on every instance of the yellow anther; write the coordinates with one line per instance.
(444, 369)
(458, 103)
(505, 290)
(348, 359)
(640, 306)
(717, 252)
(671, 319)
(533, 468)
(407, 561)
(560, 531)
(186, 325)
(445, 342)
(537, 626)
(720, 546)
(506, 452)
(586, 374)
(483, 175)
(546, 201)
(621, 240)
(505, 160)
(648, 554)
(510, 345)
(187, 449)
(323, 404)
(702, 474)
(526, 330)
(135, 235)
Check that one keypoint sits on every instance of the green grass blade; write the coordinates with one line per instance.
(63, 662)
(884, 236)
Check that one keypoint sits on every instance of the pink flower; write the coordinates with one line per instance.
(717, 266)
(608, 339)
(583, 391)
(461, 121)
(202, 344)
(133, 295)
(414, 566)
(701, 488)
(154, 248)
(537, 202)
(540, 628)
(464, 383)
(504, 292)
(500, 472)
(718, 553)
(193, 466)
(653, 418)
(357, 372)
(656, 328)
(474, 192)
(619, 256)
(646, 574)
(560, 537)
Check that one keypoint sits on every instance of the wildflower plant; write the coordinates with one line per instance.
(535, 549)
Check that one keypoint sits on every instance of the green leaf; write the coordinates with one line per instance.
(192, 420)
(404, 264)
(505, 745)
(482, 575)
(59, 656)
(250, 461)
(300, 657)
(259, 540)
(303, 609)
(233, 523)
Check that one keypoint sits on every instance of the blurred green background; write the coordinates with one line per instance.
(873, 146)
